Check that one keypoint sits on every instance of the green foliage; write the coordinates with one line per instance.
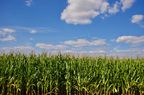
(69, 75)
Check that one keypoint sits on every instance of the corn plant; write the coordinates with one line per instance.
(64, 74)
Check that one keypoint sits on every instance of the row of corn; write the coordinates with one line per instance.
(70, 75)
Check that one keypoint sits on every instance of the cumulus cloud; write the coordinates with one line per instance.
(22, 49)
(114, 9)
(50, 46)
(83, 11)
(99, 42)
(54, 49)
(126, 4)
(78, 46)
(14, 29)
(86, 52)
(33, 31)
(5, 35)
(5, 31)
(78, 42)
(28, 2)
(26, 29)
(84, 42)
(128, 52)
(8, 38)
(137, 18)
(131, 39)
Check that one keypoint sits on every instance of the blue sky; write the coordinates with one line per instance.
(112, 27)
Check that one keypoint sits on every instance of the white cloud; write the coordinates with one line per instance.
(50, 46)
(126, 4)
(8, 38)
(28, 2)
(84, 42)
(77, 43)
(99, 42)
(131, 39)
(54, 49)
(137, 18)
(83, 11)
(5, 31)
(32, 31)
(22, 49)
(104, 7)
(5, 35)
(114, 9)
(86, 52)
(79, 46)
(128, 52)
(26, 29)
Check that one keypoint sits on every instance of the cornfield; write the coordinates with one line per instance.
(64, 74)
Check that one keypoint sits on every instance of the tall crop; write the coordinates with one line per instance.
(70, 75)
